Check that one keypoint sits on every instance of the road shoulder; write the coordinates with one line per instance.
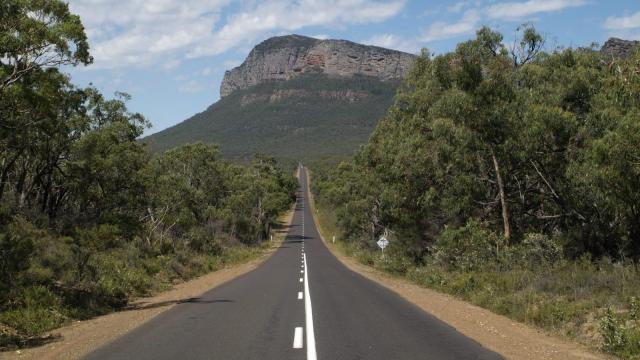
(511, 339)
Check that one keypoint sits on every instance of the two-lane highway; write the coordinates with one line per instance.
(301, 303)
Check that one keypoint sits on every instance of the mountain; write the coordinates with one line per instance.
(286, 57)
(618, 48)
(297, 98)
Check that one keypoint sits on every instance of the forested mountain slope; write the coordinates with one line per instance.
(324, 116)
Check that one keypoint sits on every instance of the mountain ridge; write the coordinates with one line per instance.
(289, 56)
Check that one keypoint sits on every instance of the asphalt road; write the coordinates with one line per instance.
(302, 303)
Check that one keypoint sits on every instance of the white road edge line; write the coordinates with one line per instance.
(311, 338)
(297, 338)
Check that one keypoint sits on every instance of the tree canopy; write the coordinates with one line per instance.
(36, 34)
(517, 140)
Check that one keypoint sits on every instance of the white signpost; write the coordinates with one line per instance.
(382, 243)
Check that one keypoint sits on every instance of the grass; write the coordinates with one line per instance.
(594, 303)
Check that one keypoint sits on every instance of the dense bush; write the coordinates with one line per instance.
(468, 248)
(541, 146)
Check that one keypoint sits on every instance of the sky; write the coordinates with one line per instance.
(171, 55)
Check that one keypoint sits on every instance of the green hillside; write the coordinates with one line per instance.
(307, 118)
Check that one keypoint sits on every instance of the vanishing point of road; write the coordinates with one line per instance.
(302, 303)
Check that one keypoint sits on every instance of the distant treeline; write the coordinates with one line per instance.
(517, 142)
(88, 217)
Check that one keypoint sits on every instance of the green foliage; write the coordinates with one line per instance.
(468, 248)
(36, 312)
(612, 329)
(634, 308)
(539, 143)
(36, 33)
(16, 250)
(538, 250)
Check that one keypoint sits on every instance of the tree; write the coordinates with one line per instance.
(38, 34)
(521, 142)
(526, 46)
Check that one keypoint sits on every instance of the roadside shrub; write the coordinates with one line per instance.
(394, 260)
(16, 250)
(431, 277)
(613, 332)
(116, 281)
(203, 241)
(470, 247)
(398, 265)
(237, 254)
(463, 283)
(37, 311)
(634, 308)
(538, 249)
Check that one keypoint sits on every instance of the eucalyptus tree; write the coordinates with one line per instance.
(36, 34)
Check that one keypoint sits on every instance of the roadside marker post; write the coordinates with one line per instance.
(382, 243)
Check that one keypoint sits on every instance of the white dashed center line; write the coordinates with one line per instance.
(297, 338)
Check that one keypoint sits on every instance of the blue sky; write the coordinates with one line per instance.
(170, 55)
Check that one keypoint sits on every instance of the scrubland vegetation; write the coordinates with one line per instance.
(89, 218)
(508, 177)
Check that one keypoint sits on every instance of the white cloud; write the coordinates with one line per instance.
(205, 72)
(320, 36)
(441, 30)
(230, 64)
(476, 13)
(147, 32)
(519, 10)
(623, 22)
(461, 5)
(171, 64)
(287, 15)
(191, 87)
(457, 7)
(391, 41)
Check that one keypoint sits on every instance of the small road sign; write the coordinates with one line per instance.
(383, 242)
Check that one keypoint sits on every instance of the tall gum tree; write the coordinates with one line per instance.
(37, 34)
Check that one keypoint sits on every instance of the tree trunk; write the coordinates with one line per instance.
(5, 173)
(20, 194)
(503, 200)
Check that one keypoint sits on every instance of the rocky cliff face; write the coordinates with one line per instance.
(285, 57)
(618, 48)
